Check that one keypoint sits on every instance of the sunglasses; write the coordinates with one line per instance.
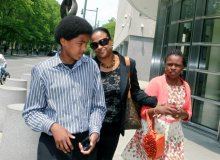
(102, 42)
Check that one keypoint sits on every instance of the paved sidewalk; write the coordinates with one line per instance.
(198, 146)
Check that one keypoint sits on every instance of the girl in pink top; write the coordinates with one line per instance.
(174, 105)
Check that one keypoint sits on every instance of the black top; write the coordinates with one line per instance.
(111, 81)
(137, 94)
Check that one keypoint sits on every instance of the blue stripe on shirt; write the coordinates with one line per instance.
(74, 98)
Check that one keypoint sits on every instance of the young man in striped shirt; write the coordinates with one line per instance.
(66, 100)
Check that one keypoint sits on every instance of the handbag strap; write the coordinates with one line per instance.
(149, 122)
(127, 62)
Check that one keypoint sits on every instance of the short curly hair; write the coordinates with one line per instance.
(175, 52)
(71, 27)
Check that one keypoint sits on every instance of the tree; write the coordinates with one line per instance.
(110, 26)
(28, 23)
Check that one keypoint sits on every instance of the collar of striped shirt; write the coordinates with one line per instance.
(57, 61)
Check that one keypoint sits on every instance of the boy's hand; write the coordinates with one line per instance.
(93, 140)
(62, 138)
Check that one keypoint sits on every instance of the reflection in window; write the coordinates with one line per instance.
(166, 38)
(172, 31)
(208, 86)
(185, 31)
(168, 15)
(185, 51)
(211, 31)
(175, 11)
(209, 59)
(213, 7)
(200, 111)
(187, 9)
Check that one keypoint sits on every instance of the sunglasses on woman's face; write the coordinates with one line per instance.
(102, 42)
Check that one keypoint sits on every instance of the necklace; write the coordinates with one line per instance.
(108, 66)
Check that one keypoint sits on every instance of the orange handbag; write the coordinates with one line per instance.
(153, 142)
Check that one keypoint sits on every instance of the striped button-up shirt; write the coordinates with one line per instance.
(73, 98)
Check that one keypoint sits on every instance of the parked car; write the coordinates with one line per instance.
(52, 53)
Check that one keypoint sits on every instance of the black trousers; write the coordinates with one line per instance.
(107, 145)
(47, 149)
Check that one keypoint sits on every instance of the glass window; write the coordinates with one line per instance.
(185, 31)
(209, 59)
(202, 111)
(185, 51)
(213, 7)
(208, 86)
(172, 31)
(166, 38)
(168, 15)
(211, 31)
(188, 8)
(176, 7)
(167, 26)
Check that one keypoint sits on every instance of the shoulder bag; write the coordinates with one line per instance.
(132, 118)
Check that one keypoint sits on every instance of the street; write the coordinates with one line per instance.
(18, 65)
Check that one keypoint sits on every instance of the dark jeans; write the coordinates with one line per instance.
(2, 71)
(47, 149)
(107, 145)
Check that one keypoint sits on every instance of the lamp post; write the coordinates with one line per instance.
(84, 10)
(84, 13)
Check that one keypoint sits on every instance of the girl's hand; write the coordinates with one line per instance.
(166, 109)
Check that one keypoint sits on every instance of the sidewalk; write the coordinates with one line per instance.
(198, 146)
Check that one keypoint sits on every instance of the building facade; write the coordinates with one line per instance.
(134, 36)
(193, 26)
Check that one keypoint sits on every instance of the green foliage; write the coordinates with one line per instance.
(28, 22)
(111, 27)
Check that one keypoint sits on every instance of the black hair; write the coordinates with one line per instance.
(102, 29)
(71, 27)
(175, 52)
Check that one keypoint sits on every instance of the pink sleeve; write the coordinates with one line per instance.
(151, 90)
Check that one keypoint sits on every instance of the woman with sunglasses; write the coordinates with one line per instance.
(115, 81)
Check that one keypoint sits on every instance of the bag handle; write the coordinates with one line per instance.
(127, 62)
(150, 122)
